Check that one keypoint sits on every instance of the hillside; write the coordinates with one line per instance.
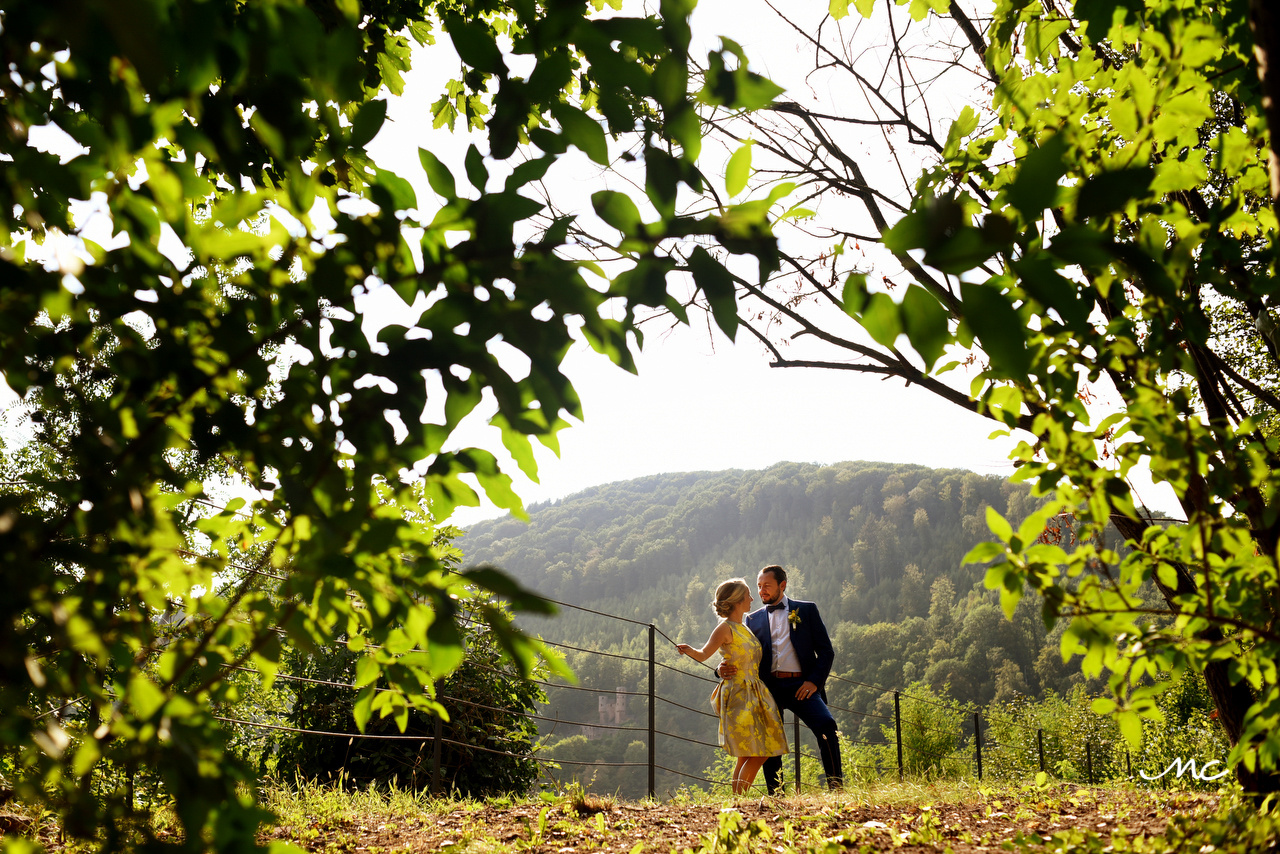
(878, 546)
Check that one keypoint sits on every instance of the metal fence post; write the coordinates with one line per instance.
(977, 742)
(1088, 762)
(653, 745)
(795, 728)
(435, 758)
(897, 725)
(1040, 747)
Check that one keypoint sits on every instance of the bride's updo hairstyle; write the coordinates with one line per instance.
(729, 594)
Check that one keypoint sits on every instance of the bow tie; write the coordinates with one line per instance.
(778, 607)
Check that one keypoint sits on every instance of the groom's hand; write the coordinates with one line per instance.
(806, 690)
(726, 670)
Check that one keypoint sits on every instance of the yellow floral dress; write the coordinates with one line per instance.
(749, 721)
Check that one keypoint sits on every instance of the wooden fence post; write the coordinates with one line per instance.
(435, 758)
(977, 742)
(653, 744)
(897, 725)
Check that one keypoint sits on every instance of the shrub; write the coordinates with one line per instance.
(488, 706)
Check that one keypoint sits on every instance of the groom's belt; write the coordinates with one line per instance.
(787, 674)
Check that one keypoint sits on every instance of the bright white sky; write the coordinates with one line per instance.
(699, 401)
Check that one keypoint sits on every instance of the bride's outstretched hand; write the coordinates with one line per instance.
(683, 649)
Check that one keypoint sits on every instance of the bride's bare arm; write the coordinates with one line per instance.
(717, 639)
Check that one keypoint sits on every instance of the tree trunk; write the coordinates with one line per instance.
(1264, 20)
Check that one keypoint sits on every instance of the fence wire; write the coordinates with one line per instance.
(651, 695)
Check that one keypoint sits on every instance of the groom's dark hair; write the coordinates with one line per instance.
(779, 574)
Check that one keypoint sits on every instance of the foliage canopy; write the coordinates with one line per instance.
(216, 342)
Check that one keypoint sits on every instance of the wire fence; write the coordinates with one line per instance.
(919, 749)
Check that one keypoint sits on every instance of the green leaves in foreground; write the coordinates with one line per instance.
(1101, 236)
(238, 361)
(919, 315)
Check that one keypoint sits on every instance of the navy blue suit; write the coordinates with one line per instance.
(813, 649)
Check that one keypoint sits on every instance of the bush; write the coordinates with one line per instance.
(933, 726)
(1069, 724)
(489, 710)
(1190, 731)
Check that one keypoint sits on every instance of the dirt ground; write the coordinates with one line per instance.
(1067, 819)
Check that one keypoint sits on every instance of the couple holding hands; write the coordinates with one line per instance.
(777, 657)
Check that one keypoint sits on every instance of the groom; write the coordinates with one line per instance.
(797, 658)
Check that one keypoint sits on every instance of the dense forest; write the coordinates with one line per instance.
(878, 546)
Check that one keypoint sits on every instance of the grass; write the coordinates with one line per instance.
(960, 816)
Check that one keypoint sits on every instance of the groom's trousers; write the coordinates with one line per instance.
(817, 717)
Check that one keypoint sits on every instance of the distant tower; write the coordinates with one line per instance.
(612, 710)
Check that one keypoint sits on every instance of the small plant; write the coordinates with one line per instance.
(537, 833)
(735, 835)
(584, 802)
(927, 829)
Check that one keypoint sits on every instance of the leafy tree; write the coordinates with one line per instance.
(1098, 221)
(216, 345)
(488, 708)
(931, 729)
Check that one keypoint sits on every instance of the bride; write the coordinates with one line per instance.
(750, 726)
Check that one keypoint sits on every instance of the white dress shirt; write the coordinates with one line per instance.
(784, 654)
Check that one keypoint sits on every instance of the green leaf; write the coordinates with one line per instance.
(476, 44)
(854, 295)
(926, 324)
(279, 846)
(400, 190)
(717, 284)
(363, 708)
(983, 552)
(739, 88)
(1109, 192)
(964, 125)
(617, 210)
(738, 170)
(477, 174)
(999, 525)
(87, 755)
(367, 122)
(1005, 403)
(500, 584)
(528, 171)
(1131, 728)
(838, 8)
(864, 7)
(583, 131)
(670, 81)
(438, 175)
(367, 671)
(882, 320)
(1039, 277)
(998, 328)
(1036, 185)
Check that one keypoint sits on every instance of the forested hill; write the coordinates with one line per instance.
(853, 524)
(878, 546)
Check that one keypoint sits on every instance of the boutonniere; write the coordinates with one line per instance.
(793, 617)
